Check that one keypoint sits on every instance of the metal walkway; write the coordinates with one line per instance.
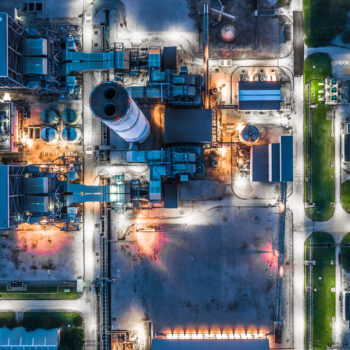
(281, 240)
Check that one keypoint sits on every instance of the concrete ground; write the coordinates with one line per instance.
(219, 269)
(34, 253)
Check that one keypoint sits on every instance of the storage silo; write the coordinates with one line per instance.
(48, 134)
(250, 133)
(228, 33)
(69, 116)
(48, 116)
(111, 103)
(69, 134)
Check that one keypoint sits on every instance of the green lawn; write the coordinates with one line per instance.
(8, 319)
(316, 68)
(69, 323)
(345, 195)
(323, 20)
(323, 299)
(41, 292)
(345, 253)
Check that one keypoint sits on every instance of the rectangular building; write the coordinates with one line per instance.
(259, 95)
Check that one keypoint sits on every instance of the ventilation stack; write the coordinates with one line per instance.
(111, 103)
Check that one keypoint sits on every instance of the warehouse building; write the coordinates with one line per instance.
(273, 162)
(259, 95)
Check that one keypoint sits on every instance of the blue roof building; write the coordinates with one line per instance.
(273, 162)
(259, 95)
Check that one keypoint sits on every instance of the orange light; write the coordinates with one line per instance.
(281, 271)
(282, 207)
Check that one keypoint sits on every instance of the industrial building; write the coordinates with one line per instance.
(145, 115)
(188, 126)
(18, 338)
(247, 344)
(259, 95)
(273, 162)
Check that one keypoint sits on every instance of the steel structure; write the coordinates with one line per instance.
(11, 62)
(281, 240)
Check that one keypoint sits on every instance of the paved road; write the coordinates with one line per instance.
(298, 42)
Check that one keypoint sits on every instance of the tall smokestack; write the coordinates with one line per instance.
(111, 103)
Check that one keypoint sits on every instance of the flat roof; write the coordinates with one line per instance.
(259, 95)
(3, 44)
(247, 344)
(347, 147)
(170, 196)
(4, 197)
(275, 162)
(286, 159)
(188, 126)
(260, 163)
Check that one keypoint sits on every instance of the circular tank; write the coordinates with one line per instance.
(69, 116)
(69, 134)
(48, 134)
(111, 103)
(228, 33)
(250, 133)
(48, 116)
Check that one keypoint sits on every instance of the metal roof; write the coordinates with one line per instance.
(347, 147)
(260, 163)
(19, 338)
(275, 163)
(286, 152)
(35, 47)
(188, 126)
(3, 44)
(4, 197)
(170, 196)
(169, 58)
(259, 95)
(248, 344)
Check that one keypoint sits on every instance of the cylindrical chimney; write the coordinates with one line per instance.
(111, 103)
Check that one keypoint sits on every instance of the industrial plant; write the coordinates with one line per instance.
(148, 169)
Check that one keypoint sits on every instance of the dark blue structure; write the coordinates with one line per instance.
(259, 95)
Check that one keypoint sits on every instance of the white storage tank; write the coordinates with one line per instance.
(111, 103)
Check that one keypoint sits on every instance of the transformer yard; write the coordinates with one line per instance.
(150, 159)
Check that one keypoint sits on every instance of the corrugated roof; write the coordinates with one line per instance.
(347, 147)
(275, 162)
(259, 95)
(248, 344)
(286, 158)
(260, 163)
(188, 126)
(3, 44)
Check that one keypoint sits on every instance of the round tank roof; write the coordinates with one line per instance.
(250, 133)
(69, 116)
(109, 101)
(48, 134)
(48, 116)
(228, 33)
(69, 134)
